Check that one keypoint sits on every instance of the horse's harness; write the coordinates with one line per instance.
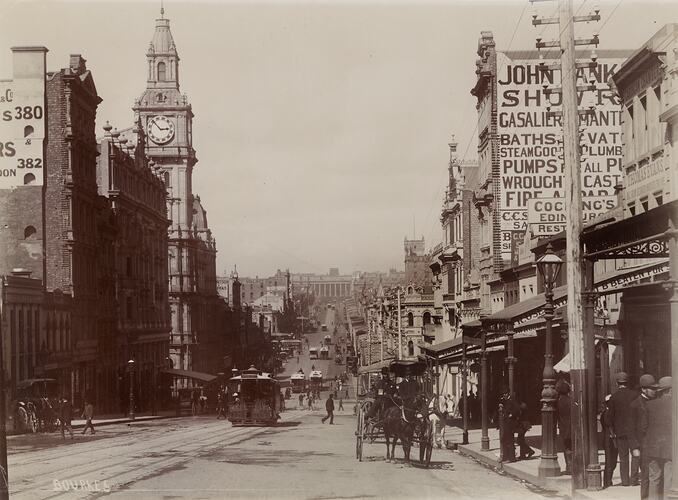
(402, 407)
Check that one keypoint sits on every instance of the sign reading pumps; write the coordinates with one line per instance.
(530, 140)
(22, 120)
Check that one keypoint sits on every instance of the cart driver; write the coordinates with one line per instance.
(408, 389)
(384, 390)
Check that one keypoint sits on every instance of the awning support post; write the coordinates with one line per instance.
(485, 439)
(464, 383)
(593, 468)
(510, 361)
(672, 285)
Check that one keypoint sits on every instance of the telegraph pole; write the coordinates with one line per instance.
(584, 431)
(573, 245)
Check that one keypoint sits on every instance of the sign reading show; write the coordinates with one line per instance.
(530, 140)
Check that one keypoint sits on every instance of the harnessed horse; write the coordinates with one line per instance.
(401, 421)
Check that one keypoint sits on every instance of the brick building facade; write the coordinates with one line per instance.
(133, 278)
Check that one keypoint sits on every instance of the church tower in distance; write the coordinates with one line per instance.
(167, 118)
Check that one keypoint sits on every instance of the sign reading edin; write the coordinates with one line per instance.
(530, 140)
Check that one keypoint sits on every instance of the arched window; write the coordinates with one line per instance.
(410, 319)
(410, 290)
(410, 348)
(162, 72)
(29, 232)
(29, 179)
(427, 318)
(166, 176)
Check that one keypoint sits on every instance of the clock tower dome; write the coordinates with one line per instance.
(166, 117)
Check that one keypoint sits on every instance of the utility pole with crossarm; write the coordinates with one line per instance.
(585, 467)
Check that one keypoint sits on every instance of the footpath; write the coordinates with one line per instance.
(528, 470)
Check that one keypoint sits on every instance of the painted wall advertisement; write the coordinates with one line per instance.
(530, 141)
(22, 127)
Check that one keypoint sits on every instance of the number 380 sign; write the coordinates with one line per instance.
(22, 132)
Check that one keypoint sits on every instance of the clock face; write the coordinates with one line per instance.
(160, 129)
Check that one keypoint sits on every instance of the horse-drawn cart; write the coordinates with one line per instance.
(403, 416)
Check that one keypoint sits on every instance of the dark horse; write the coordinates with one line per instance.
(400, 422)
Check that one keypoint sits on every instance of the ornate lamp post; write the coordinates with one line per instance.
(130, 364)
(548, 266)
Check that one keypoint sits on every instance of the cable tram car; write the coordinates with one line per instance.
(313, 352)
(316, 380)
(256, 398)
(324, 352)
(298, 381)
(327, 340)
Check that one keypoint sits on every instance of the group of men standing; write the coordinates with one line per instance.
(637, 424)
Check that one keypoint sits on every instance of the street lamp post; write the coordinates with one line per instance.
(548, 266)
(130, 364)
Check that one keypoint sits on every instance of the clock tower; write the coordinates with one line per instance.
(166, 117)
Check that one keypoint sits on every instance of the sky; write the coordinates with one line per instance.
(321, 128)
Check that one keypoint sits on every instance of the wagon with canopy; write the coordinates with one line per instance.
(370, 420)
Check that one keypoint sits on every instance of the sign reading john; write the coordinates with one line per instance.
(530, 138)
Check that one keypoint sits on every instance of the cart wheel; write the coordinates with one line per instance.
(359, 435)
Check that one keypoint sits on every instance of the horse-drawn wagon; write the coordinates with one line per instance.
(399, 414)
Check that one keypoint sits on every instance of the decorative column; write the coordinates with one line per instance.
(548, 266)
(485, 439)
(548, 466)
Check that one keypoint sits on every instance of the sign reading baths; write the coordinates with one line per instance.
(22, 122)
(530, 139)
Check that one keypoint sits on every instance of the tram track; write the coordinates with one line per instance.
(104, 467)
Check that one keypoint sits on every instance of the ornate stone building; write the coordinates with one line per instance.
(166, 117)
(134, 283)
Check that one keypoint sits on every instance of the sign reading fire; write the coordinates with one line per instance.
(22, 126)
(530, 140)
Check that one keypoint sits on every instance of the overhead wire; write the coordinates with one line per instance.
(475, 130)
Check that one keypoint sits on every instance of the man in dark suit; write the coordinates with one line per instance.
(408, 389)
(621, 418)
(656, 446)
(610, 445)
(564, 419)
(637, 437)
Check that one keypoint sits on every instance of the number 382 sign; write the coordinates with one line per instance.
(22, 132)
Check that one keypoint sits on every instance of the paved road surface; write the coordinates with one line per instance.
(200, 457)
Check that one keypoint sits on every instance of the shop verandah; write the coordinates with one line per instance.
(508, 348)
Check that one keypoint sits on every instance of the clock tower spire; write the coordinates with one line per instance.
(167, 119)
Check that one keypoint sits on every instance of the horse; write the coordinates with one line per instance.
(401, 422)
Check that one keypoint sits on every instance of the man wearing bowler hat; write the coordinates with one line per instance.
(621, 418)
(656, 446)
(648, 392)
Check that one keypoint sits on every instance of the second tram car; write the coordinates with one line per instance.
(256, 398)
